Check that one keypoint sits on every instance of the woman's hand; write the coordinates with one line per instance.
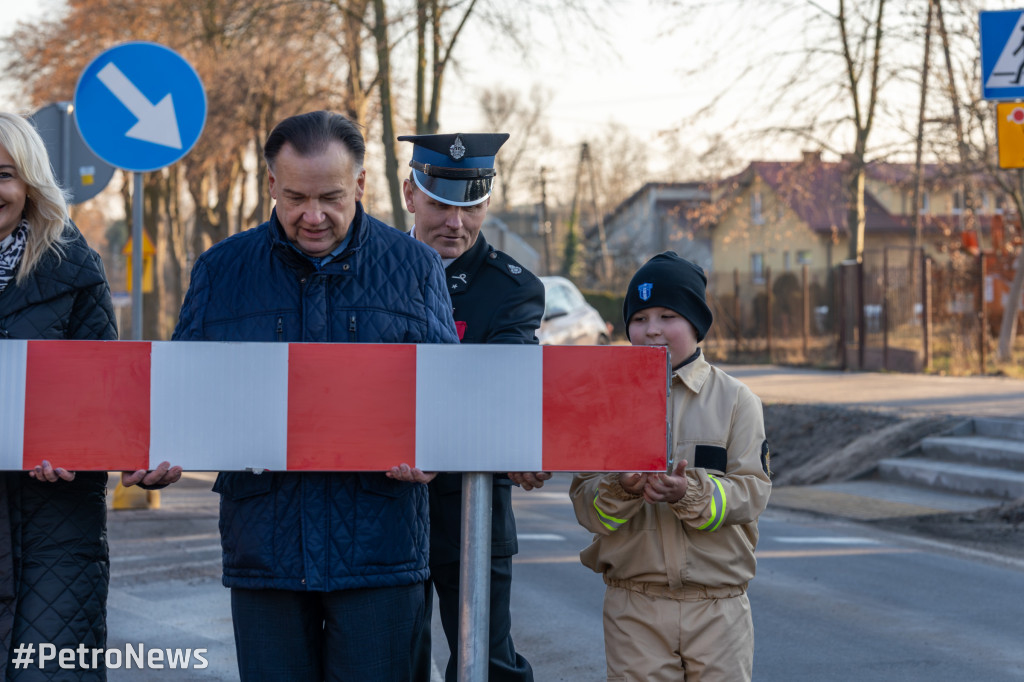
(45, 472)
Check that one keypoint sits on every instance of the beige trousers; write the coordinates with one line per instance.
(693, 635)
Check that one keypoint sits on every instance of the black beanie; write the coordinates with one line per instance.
(668, 281)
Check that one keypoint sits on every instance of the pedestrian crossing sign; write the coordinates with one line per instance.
(1002, 54)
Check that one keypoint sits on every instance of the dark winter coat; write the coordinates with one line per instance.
(496, 300)
(54, 566)
(311, 531)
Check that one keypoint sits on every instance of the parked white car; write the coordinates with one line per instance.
(568, 319)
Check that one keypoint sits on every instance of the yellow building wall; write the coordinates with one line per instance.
(737, 235)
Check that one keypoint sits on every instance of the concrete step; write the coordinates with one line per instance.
(1009, 429)
(980, 450)
(955, 477)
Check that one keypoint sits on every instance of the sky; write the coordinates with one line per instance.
(630, 77)
(652, 70)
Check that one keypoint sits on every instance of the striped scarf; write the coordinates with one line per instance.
(11, 250)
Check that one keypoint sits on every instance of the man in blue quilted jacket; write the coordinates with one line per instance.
(326, 570)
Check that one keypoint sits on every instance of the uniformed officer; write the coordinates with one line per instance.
(495, 300)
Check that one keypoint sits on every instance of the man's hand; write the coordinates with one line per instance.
(404, 472)
(529, 480)
(666, 487)
(633, 483)
(45, 472)
(164, 474)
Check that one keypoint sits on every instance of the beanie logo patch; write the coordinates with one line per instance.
(645, 290)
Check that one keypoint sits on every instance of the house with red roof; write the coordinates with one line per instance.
(784, 214)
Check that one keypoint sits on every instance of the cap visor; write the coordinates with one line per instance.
(454, 192)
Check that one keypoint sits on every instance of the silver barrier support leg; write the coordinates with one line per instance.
(475, 577)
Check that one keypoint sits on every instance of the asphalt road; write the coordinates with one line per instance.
(832, 600)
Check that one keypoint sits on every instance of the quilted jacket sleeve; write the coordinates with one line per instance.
(601, 504)
(190, 321)
(92, 313)
(440, 324)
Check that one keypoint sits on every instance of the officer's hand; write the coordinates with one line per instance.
(667, 487)
(404, 472)
(530, 480)
(163, 475)
(633, 483)
(45, 472)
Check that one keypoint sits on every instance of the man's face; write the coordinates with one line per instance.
(659, 326)
(449, 230)
(316, 196)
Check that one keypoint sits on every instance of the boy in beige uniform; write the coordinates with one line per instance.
(677, 549)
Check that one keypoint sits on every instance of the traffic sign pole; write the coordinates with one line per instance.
(137, 267)
(141, 107)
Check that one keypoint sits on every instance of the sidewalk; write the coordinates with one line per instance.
(908, 395)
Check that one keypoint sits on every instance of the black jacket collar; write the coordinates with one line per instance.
(461, 271)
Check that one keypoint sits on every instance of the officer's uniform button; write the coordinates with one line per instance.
(345, 266)
(492, 255)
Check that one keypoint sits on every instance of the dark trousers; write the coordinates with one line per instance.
(363, 635)
(504, 665)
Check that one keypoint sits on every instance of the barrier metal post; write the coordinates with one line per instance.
(475, 577)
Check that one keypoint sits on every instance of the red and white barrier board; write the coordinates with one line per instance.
(127, 405)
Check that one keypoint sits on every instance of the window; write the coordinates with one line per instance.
(785, 260)
(958, 201)
(756, 216)
(556, 301)
(925, 203)
(757, 268)
(803, 257)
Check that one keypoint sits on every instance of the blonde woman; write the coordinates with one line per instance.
(54, 567)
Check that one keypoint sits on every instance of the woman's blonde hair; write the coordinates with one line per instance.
(46, 205)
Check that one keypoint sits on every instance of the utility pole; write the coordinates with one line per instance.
(606, 260)
(572, 238)
(545, 225)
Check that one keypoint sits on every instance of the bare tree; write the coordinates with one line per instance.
(505, 111)
(822, 86)
(258, 62)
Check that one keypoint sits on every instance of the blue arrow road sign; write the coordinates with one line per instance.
(1002, 54)
(140, 106)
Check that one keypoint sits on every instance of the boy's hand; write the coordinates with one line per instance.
(633, 483)
(666, 487)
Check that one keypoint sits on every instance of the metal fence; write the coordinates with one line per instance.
(895, 311)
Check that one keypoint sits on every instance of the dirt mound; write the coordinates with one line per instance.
(821, 443)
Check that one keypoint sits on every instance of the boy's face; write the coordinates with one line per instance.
(663, 327)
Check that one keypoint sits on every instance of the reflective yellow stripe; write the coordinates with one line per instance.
(717, 506)
(609, 522)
